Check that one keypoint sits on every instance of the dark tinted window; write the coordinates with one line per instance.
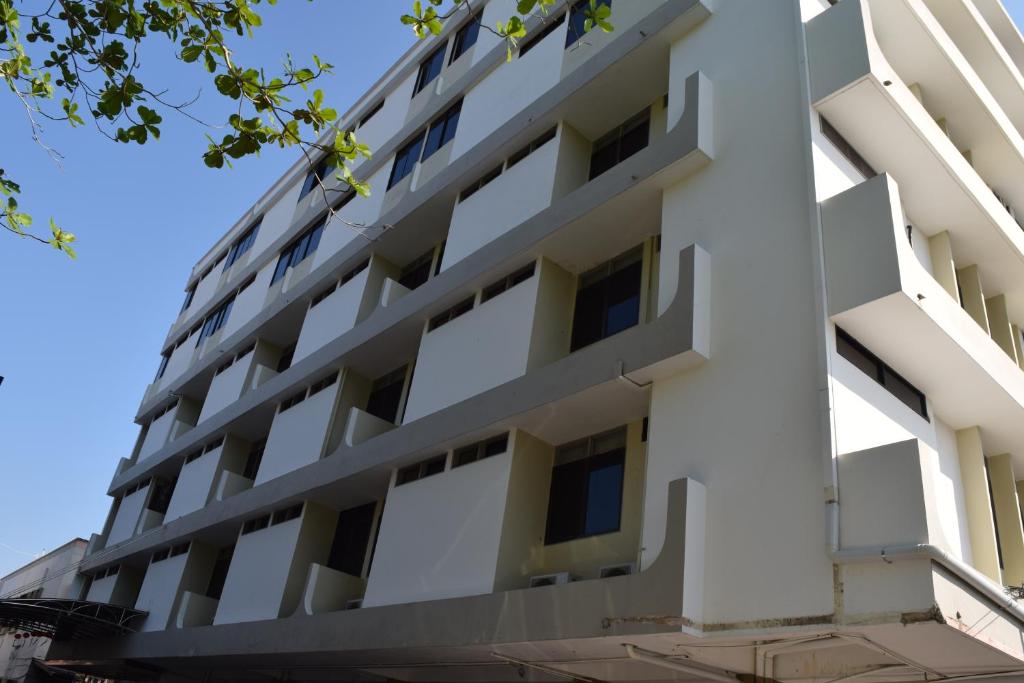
(430, 68)
(351, 539)
(417, 272)
(586, 488)
(608, 300)
(871, 365)
(386, 394)
(318, 173)
(161, 496)
(846, 149)
(547, 30)
(253, 460)
(164, 359)
(188, 298)
(297, 252)
(220, 573)
(405, 160)
(241, 245)
(621, 143)
(577, 18)
(465, 38)
(442, 130)
(216, 320)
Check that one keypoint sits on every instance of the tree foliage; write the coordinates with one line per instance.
(72, 61)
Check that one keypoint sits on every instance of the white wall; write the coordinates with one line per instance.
(340, 311)
(158, 434)
(276, 219)
(195, 484)
(387, 122)
(226, 387)
(297, 435)
(127, 518)
(250, 301)
(439, 537)
(159, 592)
(179, 362)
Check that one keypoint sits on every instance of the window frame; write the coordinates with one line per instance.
(242, 244)
(883, 374)
(423, 79)
(402, 166)
(460, 46)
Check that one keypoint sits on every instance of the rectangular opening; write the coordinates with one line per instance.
(255, 524)
(370, 112)
(242, 244)
(220, 572)
(305, 245)
(442, 130)
(386, 395)
(465, 38)
(608, 299)
(421, 470)
(480, 450)
(405, 160)
(253, 460)
(430, 68)
(452, 313)
(621, 143)
(287, 514)
(548, 28)
(507, 282)
(846, 149)
(416, 272)
(873, 366)
(352, 539)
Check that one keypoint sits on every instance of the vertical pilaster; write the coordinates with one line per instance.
(1018, 344)
(972, 295)
(976, 501)
(941, 248)
(999, 324)
(1007, 507)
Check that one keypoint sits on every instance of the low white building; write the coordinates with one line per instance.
(691, 351)
(53, 575)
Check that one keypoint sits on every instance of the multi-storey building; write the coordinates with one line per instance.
(690, 351)
(53, 575)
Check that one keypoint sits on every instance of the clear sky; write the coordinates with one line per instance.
(79, 341)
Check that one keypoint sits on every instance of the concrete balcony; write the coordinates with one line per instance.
(329, 590)
(230, 484)
(861, 72)
(241, 374)
(360, 426)
(348, 304)
(129, 513)
(120, 588)
(879, 292)
(167, 580)
(201, 477)
(523, 328)
(524, 189)
(166, 428)
(269, 566)
(195, 609)
(299, 433)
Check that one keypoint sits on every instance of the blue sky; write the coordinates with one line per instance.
(79, 341)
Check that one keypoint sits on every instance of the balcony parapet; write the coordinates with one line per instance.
(195, 609)
(329, 590)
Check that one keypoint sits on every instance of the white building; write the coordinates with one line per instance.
(53, 575)
(690, 351)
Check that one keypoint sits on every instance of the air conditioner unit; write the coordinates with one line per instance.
(551, 579)
(354, 604)
(617, 570)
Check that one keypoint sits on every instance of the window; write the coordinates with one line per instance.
(465, 38)
(216, 320)
(316, 175)
(194, 455)
(355, 271)
(285, 361)
(386, 395)
(420, 470)
(542, 34)
(370, 112)
(577, 19)
(109, 571)
(351, 539)
(488, 177)
(293, 400)
(480, 450)
(430, 68)
(621, 143)
(219, 573)
(451, 314)
(529, 149)
(846, 149)
(608, 299)
(189, 294)
(442, 130)
(405, 160)
(252, 461)
(160, 555)
(586, 488)
(287, 514)
(165, 358)
(323, 384)
(261, 522)
(417, 272)
(161, 496)
(242, 244)
(298, 251)
(507, 283)
(179, 549)
(872, 366)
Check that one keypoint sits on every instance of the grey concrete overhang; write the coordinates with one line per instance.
(860, 93)
(466, 628)
(880, 293)
(686, 148)
(585, 388)
(666, 23)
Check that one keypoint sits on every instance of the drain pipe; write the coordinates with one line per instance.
(664, 662)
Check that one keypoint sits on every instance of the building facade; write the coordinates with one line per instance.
(690, 351)
(54, 575)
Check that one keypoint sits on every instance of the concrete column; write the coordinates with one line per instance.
(1018, 344)
(944, 271)
(1007, 507)
(999, 322)
(972, 295)
(976, 501)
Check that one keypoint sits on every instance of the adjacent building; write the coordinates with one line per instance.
(690, 351)
(53, 575)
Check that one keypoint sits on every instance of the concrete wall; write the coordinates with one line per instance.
(127, 518)
(268, 569)
(198, 479)
(497, 341)
(165, 581)
(120, 589)
(249, 301)
(297, 436)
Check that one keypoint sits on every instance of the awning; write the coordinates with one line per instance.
(61, 619)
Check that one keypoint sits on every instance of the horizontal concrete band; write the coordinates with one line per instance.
(647, 602)
(683, 150)
(645, 352)
(464, 170)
